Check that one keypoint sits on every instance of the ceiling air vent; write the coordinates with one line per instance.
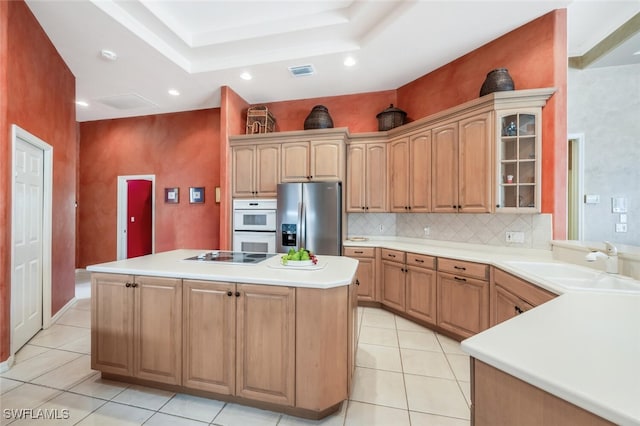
(126, 101)
(302, 70)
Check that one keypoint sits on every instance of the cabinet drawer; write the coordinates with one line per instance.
(359, 251)
(421, 260)
(393, 255)
(467, 269)
(526, 291)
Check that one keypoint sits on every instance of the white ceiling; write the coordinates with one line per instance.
(198, 46)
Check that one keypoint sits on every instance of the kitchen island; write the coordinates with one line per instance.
(261, 334)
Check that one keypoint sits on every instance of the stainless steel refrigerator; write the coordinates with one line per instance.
(309, 215)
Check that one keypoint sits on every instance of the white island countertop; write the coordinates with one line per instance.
(331, 271)
(583, 346)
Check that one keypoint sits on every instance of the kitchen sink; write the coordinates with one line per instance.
(576, 277)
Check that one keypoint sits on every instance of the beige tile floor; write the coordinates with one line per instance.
(405, 375)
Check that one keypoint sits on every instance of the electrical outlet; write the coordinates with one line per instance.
(381, 228)
(514, 237)
(621, 227)
(427, 231)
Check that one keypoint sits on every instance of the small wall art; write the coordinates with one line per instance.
(196, 195)
(172, 195)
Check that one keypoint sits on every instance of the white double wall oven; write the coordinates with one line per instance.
(254, 225)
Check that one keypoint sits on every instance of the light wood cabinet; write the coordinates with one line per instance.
(409, 284)
(322, 160)
(240, 340)
(366, 274)
(209, 336)
(462, 164)
(499, 398)
(366, 178)
(511, 296)
(256, 170)
(463, 297)
(136, 327)
(410, 173)
(265, 333)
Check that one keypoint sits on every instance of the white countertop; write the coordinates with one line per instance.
(583, 346)
(331, 271)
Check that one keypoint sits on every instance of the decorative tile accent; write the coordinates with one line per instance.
(487, 229)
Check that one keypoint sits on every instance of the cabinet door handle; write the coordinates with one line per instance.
(518, 310)
(419, 260)
(460, 279)
(357, 281)
(128, 284)
(229, 293)
(237, 294)
(391, 255)
(460, 268)
(358, 252)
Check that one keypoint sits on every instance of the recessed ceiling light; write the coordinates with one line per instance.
(109, 55)
(174, 92)
(246, 76)
(349, 61)
(82, 103)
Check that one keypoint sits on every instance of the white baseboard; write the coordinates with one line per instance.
(6, 365)
(61, 312)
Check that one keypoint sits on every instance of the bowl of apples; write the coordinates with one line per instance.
(297, 258)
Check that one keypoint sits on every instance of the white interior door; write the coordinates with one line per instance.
(27, 273)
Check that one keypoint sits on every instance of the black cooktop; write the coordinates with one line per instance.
(231, 257)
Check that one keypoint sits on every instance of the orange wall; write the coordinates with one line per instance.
(357, 112)
(180, 149)
(536, 56)
(37, 92)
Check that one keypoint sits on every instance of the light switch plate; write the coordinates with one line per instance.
(592, 199)
(618, 205)
(621, 227)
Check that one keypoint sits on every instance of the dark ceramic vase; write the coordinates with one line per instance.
(318, 118)
(497, 80)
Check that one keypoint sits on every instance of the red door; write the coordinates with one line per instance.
(138, 218)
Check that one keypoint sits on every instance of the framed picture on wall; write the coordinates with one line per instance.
(172, 195)
(196, 194)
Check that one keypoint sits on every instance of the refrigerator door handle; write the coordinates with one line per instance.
(299, 228)
(303, 229)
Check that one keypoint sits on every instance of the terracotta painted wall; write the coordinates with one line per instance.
(180, 149)
(357, 112)
(233, 111)
(536, 56)
(38, 93)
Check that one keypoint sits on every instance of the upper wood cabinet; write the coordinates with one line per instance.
(462, 165)
(410, 173)
(313, 161)
(256, 170)
(366, 177)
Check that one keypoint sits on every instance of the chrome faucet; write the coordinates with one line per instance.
(610, 258)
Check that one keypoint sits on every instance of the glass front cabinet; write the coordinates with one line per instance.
(518, 161)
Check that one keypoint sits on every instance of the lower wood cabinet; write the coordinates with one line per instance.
(409, 284)
(239, 339)
(288, 347)
(463, 299)
(511, 296)
(136, 326)
(366, 274)
(499, 398)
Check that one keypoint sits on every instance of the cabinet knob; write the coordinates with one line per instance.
(127, 285)
(366, 208)
(134, 285)
(229, 293)
(237, 294)
(357, 281)
(497, 206)
(518, 310)
(362, 207)
(408, 207)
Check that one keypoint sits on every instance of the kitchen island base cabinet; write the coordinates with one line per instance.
(281, 348)
(499, 398)
(136, 326)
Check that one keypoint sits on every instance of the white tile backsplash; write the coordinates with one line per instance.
(466, 228)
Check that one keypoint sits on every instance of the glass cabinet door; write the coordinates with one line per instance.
(517, 161)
